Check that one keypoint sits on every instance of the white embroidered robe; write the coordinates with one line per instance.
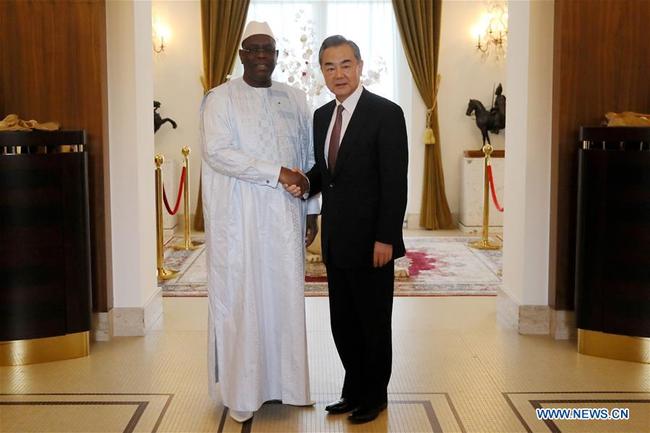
(257, 348)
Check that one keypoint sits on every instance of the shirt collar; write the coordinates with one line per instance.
(351, 101)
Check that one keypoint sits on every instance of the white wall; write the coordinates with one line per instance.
(130, 152)
(528, 160)
(517, 130)
(464, 76)
(538, 167)
(177, 85)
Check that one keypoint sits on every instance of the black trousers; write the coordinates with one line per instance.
(361, 305)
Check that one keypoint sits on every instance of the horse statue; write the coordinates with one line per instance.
(492, 120)
(159, 121)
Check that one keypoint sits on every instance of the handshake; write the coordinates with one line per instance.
(294, 181)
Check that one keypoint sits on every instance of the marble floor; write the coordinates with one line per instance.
(455, 370)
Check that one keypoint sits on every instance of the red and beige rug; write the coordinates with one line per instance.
(433, 266)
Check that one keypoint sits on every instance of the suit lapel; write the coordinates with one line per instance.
(353, 130)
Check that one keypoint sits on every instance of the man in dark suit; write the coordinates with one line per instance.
(361, 155)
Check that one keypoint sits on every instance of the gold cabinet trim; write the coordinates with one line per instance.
(36, 350)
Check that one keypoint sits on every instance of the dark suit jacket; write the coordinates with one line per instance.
(364, 200)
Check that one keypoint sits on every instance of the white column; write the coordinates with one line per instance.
(524, 300)
(136, 298)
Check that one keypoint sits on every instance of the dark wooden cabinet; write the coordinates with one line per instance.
(613, 232)
(45, 284)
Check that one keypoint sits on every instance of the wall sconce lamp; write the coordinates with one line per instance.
(161, 34)
(491, 38)
(491, 34)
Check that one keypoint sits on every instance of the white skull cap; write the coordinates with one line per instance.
(257, 28)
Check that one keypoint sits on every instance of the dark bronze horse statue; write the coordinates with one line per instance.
(492, 120)
(158, 121)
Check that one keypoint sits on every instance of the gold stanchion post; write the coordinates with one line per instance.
(187, 238)
(163, 273)
(484, 243)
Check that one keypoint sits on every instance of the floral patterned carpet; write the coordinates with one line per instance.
(433, 266)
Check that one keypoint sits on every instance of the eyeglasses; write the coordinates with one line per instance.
(260, 50)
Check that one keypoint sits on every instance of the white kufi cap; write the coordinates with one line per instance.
(257, 28)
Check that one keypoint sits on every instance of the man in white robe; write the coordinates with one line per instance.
(255, 134)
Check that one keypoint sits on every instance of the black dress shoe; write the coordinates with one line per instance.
(366, 414)
(342, 406)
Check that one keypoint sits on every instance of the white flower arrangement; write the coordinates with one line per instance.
(299, 65)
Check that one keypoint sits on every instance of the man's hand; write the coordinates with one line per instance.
(294, 190)
(294, 181)
(382, 255)
(312, 229)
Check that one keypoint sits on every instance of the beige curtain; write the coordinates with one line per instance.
(419, 26)
(222, 24)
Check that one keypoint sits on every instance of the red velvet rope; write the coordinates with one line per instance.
(493, 189)
(178, 197)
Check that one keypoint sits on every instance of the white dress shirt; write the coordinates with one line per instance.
(349, 105)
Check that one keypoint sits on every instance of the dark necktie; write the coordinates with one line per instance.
(335, 139)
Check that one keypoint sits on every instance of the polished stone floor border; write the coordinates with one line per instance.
(138, 400)
(394, 399)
